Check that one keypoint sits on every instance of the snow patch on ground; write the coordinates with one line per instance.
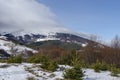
(103, 75)
(14, 72)
(25, 70)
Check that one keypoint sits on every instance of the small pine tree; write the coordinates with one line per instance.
(49, 65)
(73, 74)
(66, 59)
(100, 66)
(45, 65)
(52, 66)
(96, 66)
(114, 71)
(104, 66)
(37, 59)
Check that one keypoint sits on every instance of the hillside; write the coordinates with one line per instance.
(13, 48)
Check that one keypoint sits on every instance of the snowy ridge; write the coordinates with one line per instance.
(22, 32)
(46, 39)
(49, 36)
(9, 47)
(24, 37)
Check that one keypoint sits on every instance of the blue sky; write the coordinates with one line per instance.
(100, 17)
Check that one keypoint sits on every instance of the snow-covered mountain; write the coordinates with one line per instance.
(14, 42)
(11, 48)
(26, 38)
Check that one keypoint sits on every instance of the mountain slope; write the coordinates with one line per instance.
(54, 43)
(12, 48)
(30, 38)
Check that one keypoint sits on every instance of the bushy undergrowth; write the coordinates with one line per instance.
(71, 59)
(37, 59)
(114, 71)
(66, 59)
(3, 61)
(49, 65)
(74, 73)
(15, 59)
(99, 66)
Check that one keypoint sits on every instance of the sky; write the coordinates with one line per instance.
(100, 17)
(28, 16)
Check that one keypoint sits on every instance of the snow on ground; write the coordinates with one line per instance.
(104, 75)
(13, 72)
(25, 70)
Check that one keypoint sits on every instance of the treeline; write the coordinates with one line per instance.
(90, 54)
(98, 52)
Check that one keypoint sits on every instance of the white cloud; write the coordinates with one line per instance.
(29, 15)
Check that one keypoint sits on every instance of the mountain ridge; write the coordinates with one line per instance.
(22, 37)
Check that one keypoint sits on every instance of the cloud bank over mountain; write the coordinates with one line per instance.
(29, 15)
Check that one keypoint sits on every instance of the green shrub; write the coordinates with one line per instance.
(104, 66)
(15, 59)
(37, 59)
(67, 58)
(31, 59)
(45, 61)
(52, 66)
(73, 74)
(114, 71)
(45, 65)
(3, 61)
(49, 65)
(76, 61)
(100, 66)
